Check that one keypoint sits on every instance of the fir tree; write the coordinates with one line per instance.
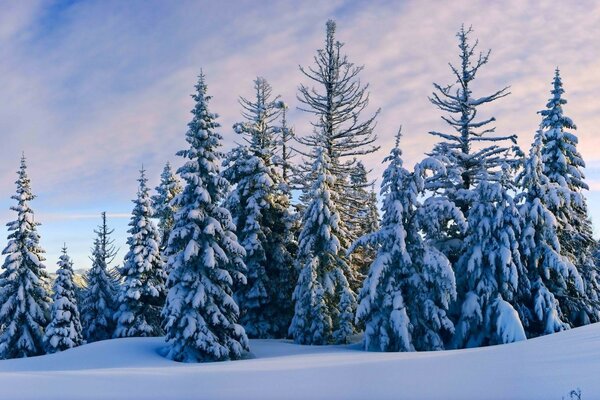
(406, 295)
(489, 270)
(259, 207)
(364, 220)
(205, 258)
(465, 152)
(286, 153)
(551, 278)
(324, 302)
(164, 211)
(64, 331)
(471, 151)
(25, 302)
(337, 104)
(99, 297)
(143, 292)
(563, 165)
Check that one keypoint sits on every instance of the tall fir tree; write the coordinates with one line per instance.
(64, 331)
(471, 151)
(142, 293)
(337, 102)
(564, 165)
(285, 153)
(164, 211)
(25, 301)
(99, 297)
(410, 285)
(489, 270)
(466, 151)
(259, 206)
(552, 280)
(364, 220)
(205, 258)
(324, 301)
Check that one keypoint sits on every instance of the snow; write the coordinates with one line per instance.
(132, 368)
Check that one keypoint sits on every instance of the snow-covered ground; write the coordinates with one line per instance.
(545, 368)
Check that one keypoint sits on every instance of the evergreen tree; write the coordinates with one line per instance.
(471, 151)
(464, 151)
(143, 291)
(337, 104)
(166, 191)
(551, 278)
(64, 331)
(364, 220)
(205, 258)
(405, 298)
(324, 302)
(489, 270)
(286, 153)
(25, 302)
(259, 207)
(99, 297)
(563, 165)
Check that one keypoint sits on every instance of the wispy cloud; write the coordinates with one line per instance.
(91, 90)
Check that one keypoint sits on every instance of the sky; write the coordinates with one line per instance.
(93, 90)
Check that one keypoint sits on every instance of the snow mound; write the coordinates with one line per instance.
(132, 368)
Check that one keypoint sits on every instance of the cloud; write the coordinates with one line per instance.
(91, 90)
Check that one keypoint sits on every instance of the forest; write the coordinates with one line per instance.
(285, 236)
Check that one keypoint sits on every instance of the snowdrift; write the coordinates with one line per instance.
(543, 368)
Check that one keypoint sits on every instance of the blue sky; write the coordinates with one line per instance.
(93, 89)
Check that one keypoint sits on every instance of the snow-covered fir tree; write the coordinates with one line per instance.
(164, 211)
(564, 165)
(259, 206)
(99, 297)
(25, 301)
(337, 102)
(551, 278)
(285, 154)
(489, 270)
(324, 301)
(405, 297)
(465, 150)
(142, 293)
(205, 259)
(470, 150)
(64, 331)
(364, 219)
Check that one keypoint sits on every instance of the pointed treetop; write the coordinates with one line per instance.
(398, 137)
(330, 29)
(200, 87)
(553, 114)
(142, 179)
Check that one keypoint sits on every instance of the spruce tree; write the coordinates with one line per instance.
(99, 297)
(337, 102)
(471, 150)
(285, 152)
(142, 294)
(489, 270)
(364, 220)
(64, 331)
(410, 285)
(259, 205)
(205, 259)
(324, 301)
(564, 165)
(25, 301)
(164, 211)
(466, 151)
(551, 278)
